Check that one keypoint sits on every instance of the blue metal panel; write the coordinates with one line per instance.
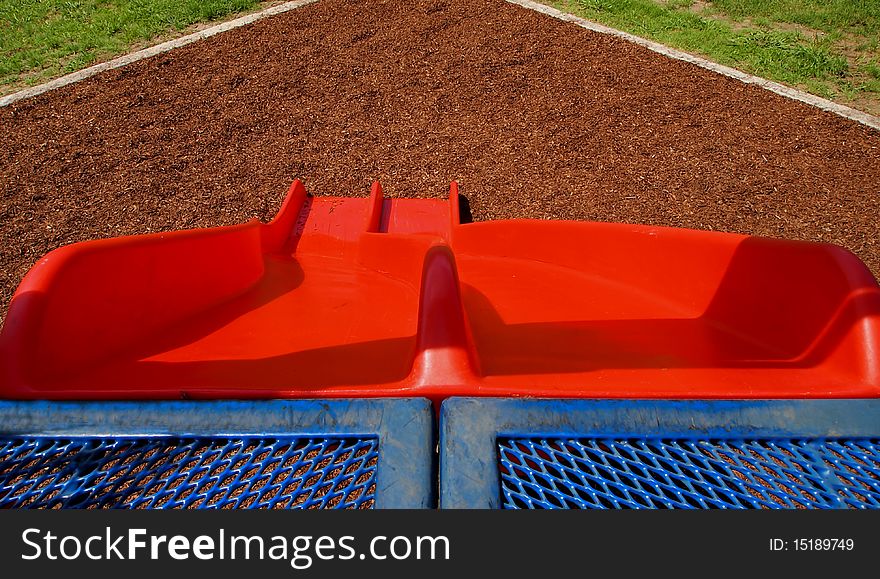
(659, 454)
(602, 473)
(281, 454)
(204, 473)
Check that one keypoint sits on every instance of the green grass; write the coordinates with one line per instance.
(828, 47)
(40, 39)
(831, 16)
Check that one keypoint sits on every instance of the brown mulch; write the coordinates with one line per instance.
(534, 117)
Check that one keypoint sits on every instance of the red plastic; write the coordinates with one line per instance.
(341, 297)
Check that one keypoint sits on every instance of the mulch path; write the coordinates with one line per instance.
(534, 117)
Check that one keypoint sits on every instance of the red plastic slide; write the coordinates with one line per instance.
(355, 297)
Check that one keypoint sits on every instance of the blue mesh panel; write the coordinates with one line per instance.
(639, 473)
(170, 472)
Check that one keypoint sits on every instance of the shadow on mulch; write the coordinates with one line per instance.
(534, 117)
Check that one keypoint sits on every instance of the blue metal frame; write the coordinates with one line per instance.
(404, 429)
(472, 427)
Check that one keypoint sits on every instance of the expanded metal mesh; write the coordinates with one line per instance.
(172, 472)
(687, 474)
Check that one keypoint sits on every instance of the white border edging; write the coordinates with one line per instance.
(780, 89)
(148, 52)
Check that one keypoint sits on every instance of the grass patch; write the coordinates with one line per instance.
(40, 39)
(827, 47)
(830, 16)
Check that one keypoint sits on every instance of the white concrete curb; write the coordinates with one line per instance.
(151, 51)
(824, 104)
